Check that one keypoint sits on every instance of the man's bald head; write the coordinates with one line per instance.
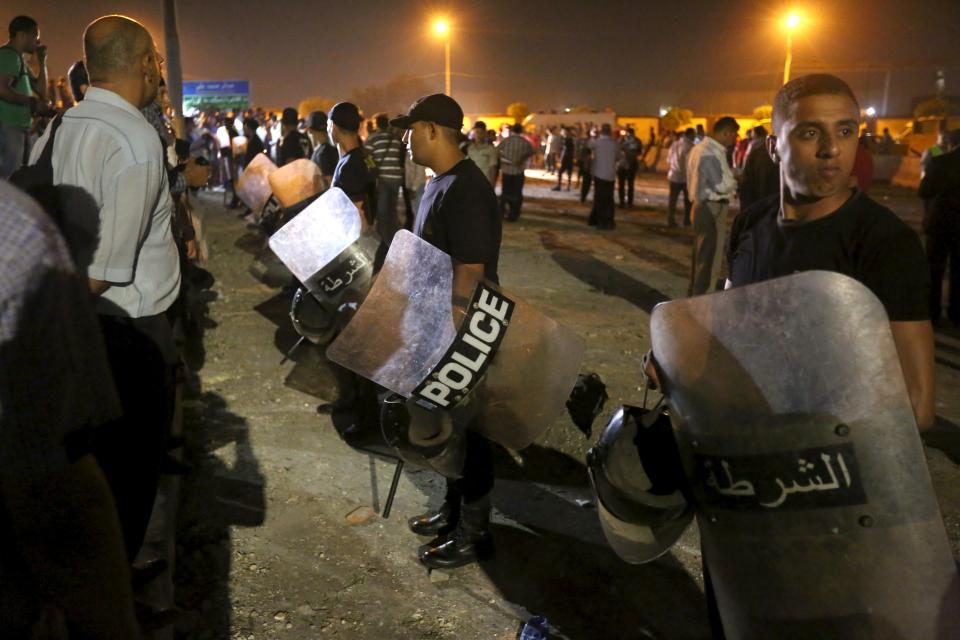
(114, 46)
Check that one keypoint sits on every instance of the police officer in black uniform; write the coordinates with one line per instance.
(458, 214)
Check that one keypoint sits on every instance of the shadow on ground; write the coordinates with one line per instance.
(225, 489)
(552, 559)
(601, 276)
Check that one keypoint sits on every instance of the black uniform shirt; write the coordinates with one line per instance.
(459, 215)
(861, 239)
(326, 157)
(295, 145)
(353, 175)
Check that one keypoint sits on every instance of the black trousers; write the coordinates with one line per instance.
(586, 179)
(477, 480)
(131, 448)
(511, 196)
(943, 245)
(603, 207)
(676, 188)
(625, 179)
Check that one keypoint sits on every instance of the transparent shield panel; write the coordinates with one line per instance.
(253, 187)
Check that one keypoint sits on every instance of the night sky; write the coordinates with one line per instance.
(631, 56)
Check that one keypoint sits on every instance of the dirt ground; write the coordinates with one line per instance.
(278, 533)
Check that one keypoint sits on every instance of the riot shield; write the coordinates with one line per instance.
(816, 510)
(637, 477)
(295, 182)
(508, 370)
(253, 187)
(324, 249)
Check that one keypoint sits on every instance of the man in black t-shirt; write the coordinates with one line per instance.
(460, 215)
(325, 153)
(820, 222)
(295, 145)
(354, 172)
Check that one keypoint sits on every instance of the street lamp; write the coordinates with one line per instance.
(791, 22)
(442, 28)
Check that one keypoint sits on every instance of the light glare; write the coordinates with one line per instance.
(792, 21)
(441, 27)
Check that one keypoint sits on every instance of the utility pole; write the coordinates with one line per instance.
(174, 70)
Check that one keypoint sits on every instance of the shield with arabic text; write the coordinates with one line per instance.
(816, 510)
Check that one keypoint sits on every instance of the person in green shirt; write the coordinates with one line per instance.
(17, 88)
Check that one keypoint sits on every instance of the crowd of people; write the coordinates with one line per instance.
(97, 264)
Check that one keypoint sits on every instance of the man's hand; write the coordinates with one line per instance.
(914, 342)
(42, 54)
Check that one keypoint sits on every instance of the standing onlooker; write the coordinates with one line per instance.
(514, 152)
(677, 176)
(325, 153)
(105, 146)
(585, 165)
(604, 151)
(62, 543)
(862, 174)
(17, 85)
(483, 154)
(627, 164)
(567, 154)
(295, 145)
(387, 151)
(711, 184)
(940, 186)
(761, 176)
(554, 146)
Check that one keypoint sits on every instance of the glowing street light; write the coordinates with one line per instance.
(442, 29)
(791, 22)
(871, 112)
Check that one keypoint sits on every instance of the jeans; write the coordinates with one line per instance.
(388, 221)
(586, 179)
(710, 226)
(625, 178)
(676, 188)
(511, 195)
(13, 147)
(603, 208)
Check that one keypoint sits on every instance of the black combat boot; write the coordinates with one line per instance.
(442, 521)
(470, 541)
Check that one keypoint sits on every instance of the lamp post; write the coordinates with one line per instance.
(792, 22)
(442, 29)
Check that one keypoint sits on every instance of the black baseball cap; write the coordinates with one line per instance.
(346, 115)
(438, 108)
(290, 116)
(317, 121)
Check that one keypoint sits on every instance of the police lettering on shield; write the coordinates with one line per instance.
(468, 357)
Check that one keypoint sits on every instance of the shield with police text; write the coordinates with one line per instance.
(505, 363)
(816, 511)
(325, 250)
(253, 187)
